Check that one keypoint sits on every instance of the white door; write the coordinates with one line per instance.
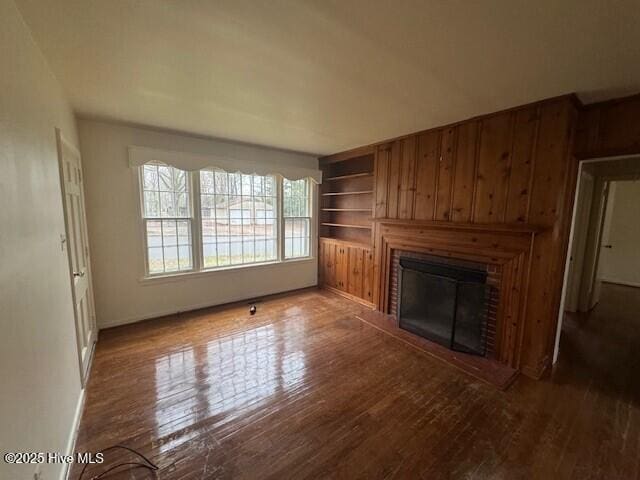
(78, 251)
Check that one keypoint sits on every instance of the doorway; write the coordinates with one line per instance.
(604, 234)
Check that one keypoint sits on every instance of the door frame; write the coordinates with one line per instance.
(83, 371)
(572, 233)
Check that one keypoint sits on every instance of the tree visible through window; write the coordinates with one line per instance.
(297, 217)
(236, 215)
(167, 219)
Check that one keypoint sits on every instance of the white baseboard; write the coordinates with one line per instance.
(617, 281)
(73, 434)
(173, 311)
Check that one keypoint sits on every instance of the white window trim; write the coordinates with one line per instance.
(197, 252)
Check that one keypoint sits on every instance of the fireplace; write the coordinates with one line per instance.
(444, 303)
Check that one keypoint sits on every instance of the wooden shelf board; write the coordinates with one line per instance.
(352, 175)
(346, 225)
(347, 210)
(362, 192)
(347, 242)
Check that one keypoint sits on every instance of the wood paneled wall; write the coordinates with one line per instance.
(512, 167)
(507, 167)
(609, 128)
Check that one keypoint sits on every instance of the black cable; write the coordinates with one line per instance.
(149, 465)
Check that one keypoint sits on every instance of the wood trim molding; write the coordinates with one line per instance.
(491, 245)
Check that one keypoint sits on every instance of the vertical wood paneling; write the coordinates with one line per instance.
(426, 175)
(383, 159)
(609, 128)
(445, 174)
(368, 276)
(550, 163)
(493, 170)
(394, 180)
(524, 135)
(509, 167)
(465, 172)
(407, 177)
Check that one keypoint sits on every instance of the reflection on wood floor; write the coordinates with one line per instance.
(303, 389)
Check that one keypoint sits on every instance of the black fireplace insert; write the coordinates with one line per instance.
(444, 303)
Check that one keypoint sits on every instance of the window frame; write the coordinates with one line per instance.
(309, 205)
(143, 225)
(197, 251)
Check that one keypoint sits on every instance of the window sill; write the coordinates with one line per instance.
(180, 276)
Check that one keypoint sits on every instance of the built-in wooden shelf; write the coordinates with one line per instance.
(352, 175)
(362, 192)
(367, 210)
(345, 225)
(347, 209)
(353, 243)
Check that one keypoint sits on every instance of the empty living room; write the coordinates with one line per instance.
(308, 239)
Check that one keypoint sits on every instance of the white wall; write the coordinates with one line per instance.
(40, 379)
(621, 263)
(115, 236)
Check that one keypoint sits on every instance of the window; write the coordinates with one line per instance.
(236, 219)
(235, 208)
(297, 217)
(166, 211)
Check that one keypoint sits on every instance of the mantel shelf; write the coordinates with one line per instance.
(484, 227)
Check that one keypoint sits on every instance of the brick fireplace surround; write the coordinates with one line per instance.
(494, 277)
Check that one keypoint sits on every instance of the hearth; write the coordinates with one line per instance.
(444, 303)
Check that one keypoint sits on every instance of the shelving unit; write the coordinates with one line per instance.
(346, 198)
(345, 255)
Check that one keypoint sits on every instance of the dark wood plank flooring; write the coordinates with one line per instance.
(304, 389)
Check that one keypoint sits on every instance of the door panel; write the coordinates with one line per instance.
(354, 282)
(78, 251)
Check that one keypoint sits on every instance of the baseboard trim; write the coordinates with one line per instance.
(189, 308)
(349, 296)
(73, 433)
(538, 371)
(621, 282)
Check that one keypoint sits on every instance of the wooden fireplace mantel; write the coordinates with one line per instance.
(508, 246)
(484, 227)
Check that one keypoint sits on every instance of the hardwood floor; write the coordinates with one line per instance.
(303, 389)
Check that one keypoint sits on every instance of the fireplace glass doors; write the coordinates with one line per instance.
(444, 303)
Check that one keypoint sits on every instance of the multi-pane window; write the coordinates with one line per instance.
(297, 217)
(167, 218)
(238, 218)
(236, 215)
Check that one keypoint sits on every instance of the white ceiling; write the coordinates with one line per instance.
(326, 75)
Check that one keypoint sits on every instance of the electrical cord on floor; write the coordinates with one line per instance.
(149, 465)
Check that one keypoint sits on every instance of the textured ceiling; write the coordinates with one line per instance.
(327, 75)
